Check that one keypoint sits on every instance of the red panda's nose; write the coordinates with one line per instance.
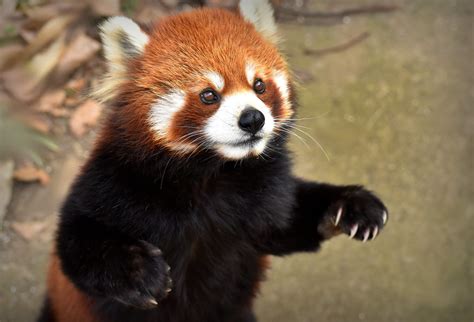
(251, 120)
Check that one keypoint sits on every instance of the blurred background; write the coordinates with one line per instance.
(386, 93)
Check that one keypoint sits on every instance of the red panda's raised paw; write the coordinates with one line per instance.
(148, 277)
(359, 214)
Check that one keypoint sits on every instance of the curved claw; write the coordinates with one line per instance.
(338, 217)
(155, 252)
(375, 233)
(153, 301)
(384, 217)
(354, 231)
(366, 235)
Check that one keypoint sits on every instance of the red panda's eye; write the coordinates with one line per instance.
(259, 86)
(209, 96)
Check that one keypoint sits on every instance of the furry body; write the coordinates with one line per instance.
(153, 232)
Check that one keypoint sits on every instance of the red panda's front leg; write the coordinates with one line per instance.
(322, 211)
(104, 263)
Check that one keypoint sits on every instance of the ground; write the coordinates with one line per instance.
(393, 113)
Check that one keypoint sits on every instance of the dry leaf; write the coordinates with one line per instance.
(148, 14)
(25, 82)
(28, 229)
(76, 84)
(52, 103)
(20, 84)
(85, 116)
(78, 52)
(72, 101)
(28, 35)
(221, 3)
(105, 7)
(44, 62)
(29, 173)
(38, 15)
(9, 53)
(50, 31)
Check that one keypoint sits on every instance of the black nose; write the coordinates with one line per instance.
(251, 120)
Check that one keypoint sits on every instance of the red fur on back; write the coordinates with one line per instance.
(68, 304)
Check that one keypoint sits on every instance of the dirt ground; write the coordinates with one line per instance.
(395, 113)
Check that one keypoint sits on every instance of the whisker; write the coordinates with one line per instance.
(293, 127)
(315, 141)
(296, 135)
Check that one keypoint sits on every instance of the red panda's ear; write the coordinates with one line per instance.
(122, 39)
(260, 14)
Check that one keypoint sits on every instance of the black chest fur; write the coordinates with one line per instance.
(207, 223)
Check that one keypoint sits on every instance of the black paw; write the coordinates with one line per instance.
(359, 214)
(146, 276)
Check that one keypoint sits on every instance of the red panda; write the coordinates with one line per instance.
(189, 187)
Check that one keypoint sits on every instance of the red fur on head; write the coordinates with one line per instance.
(180, 52)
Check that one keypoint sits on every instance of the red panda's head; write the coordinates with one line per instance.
(208, 79)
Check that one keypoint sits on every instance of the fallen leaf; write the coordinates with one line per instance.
(105, 7)
(79, 51)
(29, 173)
(221, 3)
(44, 62)
(9, 53)
(53, 29)
(28, 35)
(84, 117)
(72, 101)
(76, 84)
(38, 15)
(28, 229)
(52, 103)
(147, 14)
(25, 83)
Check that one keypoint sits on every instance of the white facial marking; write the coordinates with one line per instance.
(233, 152)
(222, 129)
(281, 82)
(250, 72)
(216, 79)
(164, 109)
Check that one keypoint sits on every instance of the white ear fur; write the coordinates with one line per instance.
(122, 40)
(260, 14)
